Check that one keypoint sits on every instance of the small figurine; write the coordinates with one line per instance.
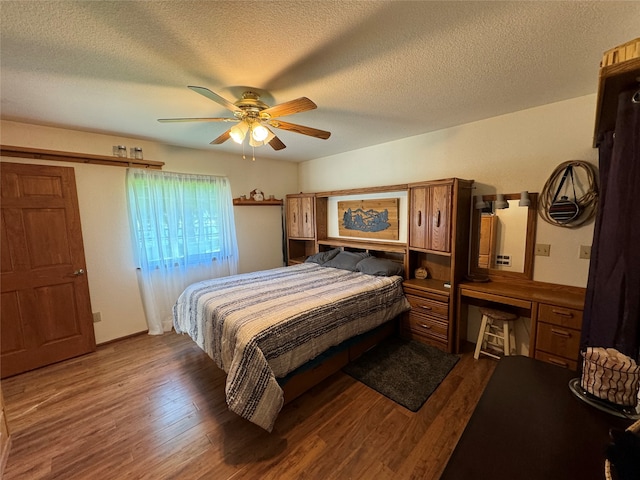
(257, 195)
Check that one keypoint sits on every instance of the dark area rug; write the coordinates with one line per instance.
(405, 371)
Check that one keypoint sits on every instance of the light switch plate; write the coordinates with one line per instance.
(585, 252)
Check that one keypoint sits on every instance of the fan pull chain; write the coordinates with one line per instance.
(243, 155)
(254, 153)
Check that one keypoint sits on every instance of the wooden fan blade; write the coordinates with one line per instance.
(298, 105)
(277, 144)
(204, 119)
(221, 139)
(215, 97)
(292, 127)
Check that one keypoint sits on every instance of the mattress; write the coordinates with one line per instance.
(260, 326)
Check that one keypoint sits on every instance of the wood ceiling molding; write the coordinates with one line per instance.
(59, 156)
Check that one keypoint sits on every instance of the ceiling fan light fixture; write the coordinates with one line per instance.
(238, 132)
(254, 143)
(259, 133)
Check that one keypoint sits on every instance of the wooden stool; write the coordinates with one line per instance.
(490, 333)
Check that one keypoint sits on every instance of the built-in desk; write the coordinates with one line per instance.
(555, 312)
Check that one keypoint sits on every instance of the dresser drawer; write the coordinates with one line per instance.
(565, 317)
(428, 326)
(433, 341)
(426, 306)
(564, 342)
(559, 361)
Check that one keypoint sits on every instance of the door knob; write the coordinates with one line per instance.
(79, 272)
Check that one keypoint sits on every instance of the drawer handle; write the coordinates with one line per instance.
(425, 307)
(419, 218)
(557, 362)
(424, 325)
(561, 333)
(563, 313)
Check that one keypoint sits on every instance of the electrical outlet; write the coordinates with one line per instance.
(543, 249)
(585, 251)
(97, 317)
(503, 260)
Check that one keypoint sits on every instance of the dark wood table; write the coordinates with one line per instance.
(528, 425)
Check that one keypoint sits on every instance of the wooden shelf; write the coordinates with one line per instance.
(362, 191)
(364, 245)
(240, 201)
(428, 285)
(59, 156)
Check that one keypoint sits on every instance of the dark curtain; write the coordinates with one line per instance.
(612, 305)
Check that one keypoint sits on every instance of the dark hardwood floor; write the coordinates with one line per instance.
(153, 407)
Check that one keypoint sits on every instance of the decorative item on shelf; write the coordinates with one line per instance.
(257, 195)
(120, 151)
(135, 152)
(421, 273)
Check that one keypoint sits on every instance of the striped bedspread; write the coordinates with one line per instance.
(260, 326)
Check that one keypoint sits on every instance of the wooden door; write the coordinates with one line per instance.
(439, 225)
(417, 227)
(45, 305)
(487, 241)
(293, 217)
(300, 217)
(307, 217)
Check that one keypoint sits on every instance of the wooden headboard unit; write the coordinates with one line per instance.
(396, 251)
(393, 251)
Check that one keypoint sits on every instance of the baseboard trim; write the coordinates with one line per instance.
(144, 332)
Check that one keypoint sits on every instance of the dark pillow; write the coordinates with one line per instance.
(322, 257)
(346, 260)
(380, 266)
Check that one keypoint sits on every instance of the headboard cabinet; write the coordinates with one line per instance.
(437, 240)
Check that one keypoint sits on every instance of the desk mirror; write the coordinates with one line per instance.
(502, 239)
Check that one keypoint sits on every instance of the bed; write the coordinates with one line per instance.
(263, 326)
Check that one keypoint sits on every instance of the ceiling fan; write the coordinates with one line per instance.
(256, 117)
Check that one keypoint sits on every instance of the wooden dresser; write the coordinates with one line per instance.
(439, 215)
(428, 319)
(555, 312)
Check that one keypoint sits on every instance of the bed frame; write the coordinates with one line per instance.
(315, 371)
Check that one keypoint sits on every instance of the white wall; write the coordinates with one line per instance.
(505, 154)
(103, 211)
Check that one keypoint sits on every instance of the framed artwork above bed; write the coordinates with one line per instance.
(371, 218)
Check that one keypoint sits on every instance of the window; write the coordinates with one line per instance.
(179, 219)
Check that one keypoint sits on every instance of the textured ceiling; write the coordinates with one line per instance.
(378, 70)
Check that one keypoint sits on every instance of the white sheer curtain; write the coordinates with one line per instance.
(183, 231)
